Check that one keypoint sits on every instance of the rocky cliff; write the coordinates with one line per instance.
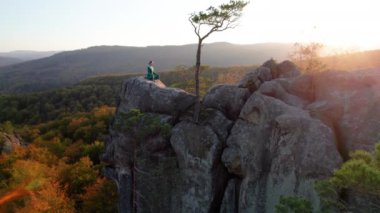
(273, 134)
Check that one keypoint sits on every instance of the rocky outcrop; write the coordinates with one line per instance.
(278, 149)
(253, 80)
(274, 134)
(153, 96)
(228, 99)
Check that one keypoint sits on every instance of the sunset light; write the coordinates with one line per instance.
(71, 24)
(174, 106)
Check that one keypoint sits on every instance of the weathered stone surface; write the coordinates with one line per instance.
(274, 134)
(276, 147)
(302, 150)
(145, 170)
(253, 80)
(275, 89)
(232, 156)
(198, 149)
(285, 69)
(229, 99)
(300, 86)
(149, 96)
(218, 123)
(118, 149)
(350, 104)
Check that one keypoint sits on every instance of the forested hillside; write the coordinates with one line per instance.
(59, 170)
(70, 67)
(44, 106)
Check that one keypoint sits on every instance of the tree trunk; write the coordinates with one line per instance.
(197, 108)
(134, 194)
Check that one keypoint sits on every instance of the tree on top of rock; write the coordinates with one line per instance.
(214, 19)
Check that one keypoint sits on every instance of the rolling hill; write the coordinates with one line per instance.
(27, 55)
(67, 68)
(5, 61)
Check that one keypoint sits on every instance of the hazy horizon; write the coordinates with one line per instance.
(68, 25)
(325, 51)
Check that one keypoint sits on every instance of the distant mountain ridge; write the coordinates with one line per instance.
(27, 55)
(69, 67)
(6, 61)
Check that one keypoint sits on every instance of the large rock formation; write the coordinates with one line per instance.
(273, 134)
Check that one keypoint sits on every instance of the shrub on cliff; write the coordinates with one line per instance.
(356, 185)
(141, 125)
(289, 204)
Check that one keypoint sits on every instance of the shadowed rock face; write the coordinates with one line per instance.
(274, 134)
(198, 149)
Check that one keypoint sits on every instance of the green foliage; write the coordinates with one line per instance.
(45, 106)
(5, 174)
(93, 151)
(221, 17)
(359, 175)
(59, 164)
(127, 121)
(35, 108)
(76, 177)
(293, 204)
(100, 197)
(7, 127)
(141, 125)
(152, 125)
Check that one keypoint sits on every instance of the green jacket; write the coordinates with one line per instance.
(151, 75)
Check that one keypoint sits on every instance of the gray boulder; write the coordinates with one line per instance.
(285, 69)
(273, 148)
(276, 90)
(300, 86)
(253, 80)
(350, 104)
(228, 99)
(153, 96)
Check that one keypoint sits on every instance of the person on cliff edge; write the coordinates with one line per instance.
(151, 75)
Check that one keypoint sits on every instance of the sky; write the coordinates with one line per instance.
(74, 24)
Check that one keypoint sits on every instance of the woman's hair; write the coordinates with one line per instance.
(150, 62)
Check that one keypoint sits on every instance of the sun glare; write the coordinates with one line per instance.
(343, 24)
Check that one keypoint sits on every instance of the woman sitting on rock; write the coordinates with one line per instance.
(151, 75)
